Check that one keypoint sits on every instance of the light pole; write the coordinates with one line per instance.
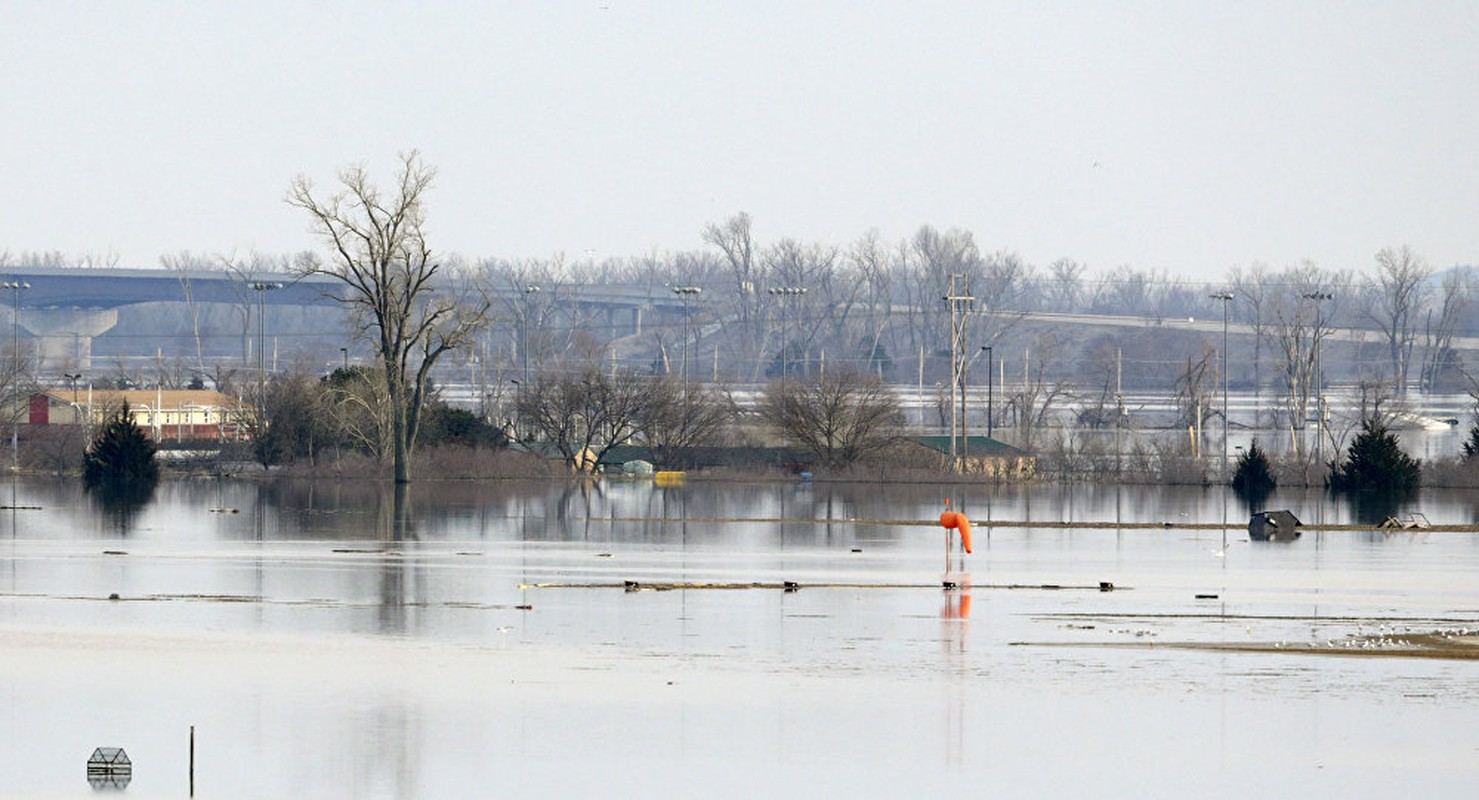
(15, 377)
(785, 293)
(262, 288)
(990, 387)
(1319, 297)
(965, 382)
(72, 378)
(686, 292)
(1226, 298)
(528, 290)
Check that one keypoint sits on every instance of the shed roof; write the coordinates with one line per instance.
(112, 756)
(973, 446)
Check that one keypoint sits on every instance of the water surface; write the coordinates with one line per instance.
(325, 644)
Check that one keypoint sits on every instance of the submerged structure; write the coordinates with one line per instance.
(1274, 526)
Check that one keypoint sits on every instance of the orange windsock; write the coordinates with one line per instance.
(960, 522)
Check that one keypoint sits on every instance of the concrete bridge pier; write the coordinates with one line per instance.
(63, 336)
(622, 321)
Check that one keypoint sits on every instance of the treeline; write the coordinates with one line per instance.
(576, 416)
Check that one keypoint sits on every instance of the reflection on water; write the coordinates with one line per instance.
(374, 641)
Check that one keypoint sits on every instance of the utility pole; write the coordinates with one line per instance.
(1226, 298)
(961, 304)
(1319, 297)
(15, 377)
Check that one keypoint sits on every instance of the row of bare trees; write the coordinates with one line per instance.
(766, 307)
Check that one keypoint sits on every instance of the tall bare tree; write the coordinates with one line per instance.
(183, 265)
(744, 322)
(378, 249)
(875, 271)
(1298, 326)
(1251, 288)
(1439, 356)
(1394, 302)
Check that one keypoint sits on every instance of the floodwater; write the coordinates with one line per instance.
(480, 639)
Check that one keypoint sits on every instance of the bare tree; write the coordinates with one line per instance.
(1251, 288)
(356, 410)
(872, 261)
(675, 419)
(17, 382)
(1065, 286)
(1101, 365)
(1196, 390)
(1001, 292)
(1041, 393)
(1297, 328)
(1394, 301)
(183, 265)
(379, 251)
(1439, 356)
(841, 416)
(241, 274)
(933, 258)
(584, 413)
(745, 323)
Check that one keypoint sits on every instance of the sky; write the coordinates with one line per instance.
(1186, 136)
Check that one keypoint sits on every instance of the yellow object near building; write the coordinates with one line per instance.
(668, 479)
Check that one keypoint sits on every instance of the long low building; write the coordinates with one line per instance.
(178, 415)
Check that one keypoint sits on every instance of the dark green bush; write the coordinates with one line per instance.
(120, 457)
(1471, 446)
(1375, 463)
(1254, 475)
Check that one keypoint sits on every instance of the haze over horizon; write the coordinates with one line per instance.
(1188, 137)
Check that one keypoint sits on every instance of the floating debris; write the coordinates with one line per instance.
(1414, 521)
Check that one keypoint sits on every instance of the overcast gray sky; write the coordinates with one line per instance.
(1186, 135)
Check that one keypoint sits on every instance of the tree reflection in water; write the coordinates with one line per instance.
(119, 503)
(396, 530)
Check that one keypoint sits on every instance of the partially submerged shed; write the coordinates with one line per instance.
(981, 455)
(109, 758)
(1274, 526)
